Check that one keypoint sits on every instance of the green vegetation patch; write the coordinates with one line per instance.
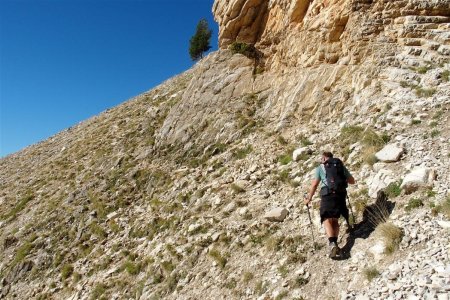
(66, 271)
(22, 252)
(445, 75)
(371, 272)
(19, 206)
(241, 153)
(424, 92)
(413, 203)
(218, 257)
(131, 267)
(393, 190)
(98, 291)
(248, 50)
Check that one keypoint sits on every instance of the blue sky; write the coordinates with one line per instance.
(63, 61)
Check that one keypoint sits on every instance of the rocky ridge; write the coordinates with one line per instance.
(166, 195)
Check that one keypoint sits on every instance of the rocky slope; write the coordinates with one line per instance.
(167, 195)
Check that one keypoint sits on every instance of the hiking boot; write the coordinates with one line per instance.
(334, 250)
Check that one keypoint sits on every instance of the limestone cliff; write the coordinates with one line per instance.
(171, 195)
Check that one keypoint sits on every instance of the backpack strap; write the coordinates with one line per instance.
(322, 166)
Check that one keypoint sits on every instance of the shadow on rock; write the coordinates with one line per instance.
(373, 215)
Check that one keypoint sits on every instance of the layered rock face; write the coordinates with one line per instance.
(317, 59)
(194, 189)
(305, 32)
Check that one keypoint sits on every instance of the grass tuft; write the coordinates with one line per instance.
(424, 93)
(413, 203)
(218, 258)
(445, 75)
(242, 152)
(391, 235)
(237, 189)
(370, 273)
(20, 206)
(247, 277)
(393, 190)
(66, 271)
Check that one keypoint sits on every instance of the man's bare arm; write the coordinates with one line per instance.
(312, 190)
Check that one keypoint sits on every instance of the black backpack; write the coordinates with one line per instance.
(334, 172)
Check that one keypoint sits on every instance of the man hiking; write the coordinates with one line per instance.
(334, 178)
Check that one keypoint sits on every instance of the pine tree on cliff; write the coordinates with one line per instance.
(200, 41)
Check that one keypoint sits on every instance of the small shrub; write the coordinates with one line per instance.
(115, 228)
(283, 270)
(435, 133)
(444, 208)
(171, 282)
(445, 75)
(415, 122)
(296, 257)
(231, 284)
(258, 70)
(167, 266)
(404, 84)
(261, 287)
(393, 190)
(391, 235)
(437, 115)
(274, 243)
(218, 258)
(368, 137)
(285, 159)
(66, 271)
(237, 189)
(284, 176)
(351, 132)
(20, 206)
(243, 48)
(282, 140)
(368, 155)
(370, 273)
(423, 69)
(97, 230)
(281, 295)
(131, 267)
(98, 291)
(431, 193)
(413, 203)
(76, 277)
(242, 152)
(247, 276)
(425, 93)
(22, 252)
(300, 281)
(304, 141)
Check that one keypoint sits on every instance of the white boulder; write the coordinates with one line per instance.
(390, 153)
(277, 214)
(297, 154)
(417, 178)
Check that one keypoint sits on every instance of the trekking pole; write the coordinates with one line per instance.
(351, 210)
(311, 225)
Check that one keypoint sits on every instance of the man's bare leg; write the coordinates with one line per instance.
(332, 229)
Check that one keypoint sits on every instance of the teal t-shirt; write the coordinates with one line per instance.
(320, 174)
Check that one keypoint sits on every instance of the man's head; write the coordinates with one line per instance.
(326, 155)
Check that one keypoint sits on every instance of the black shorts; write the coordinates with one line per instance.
(333, 206)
